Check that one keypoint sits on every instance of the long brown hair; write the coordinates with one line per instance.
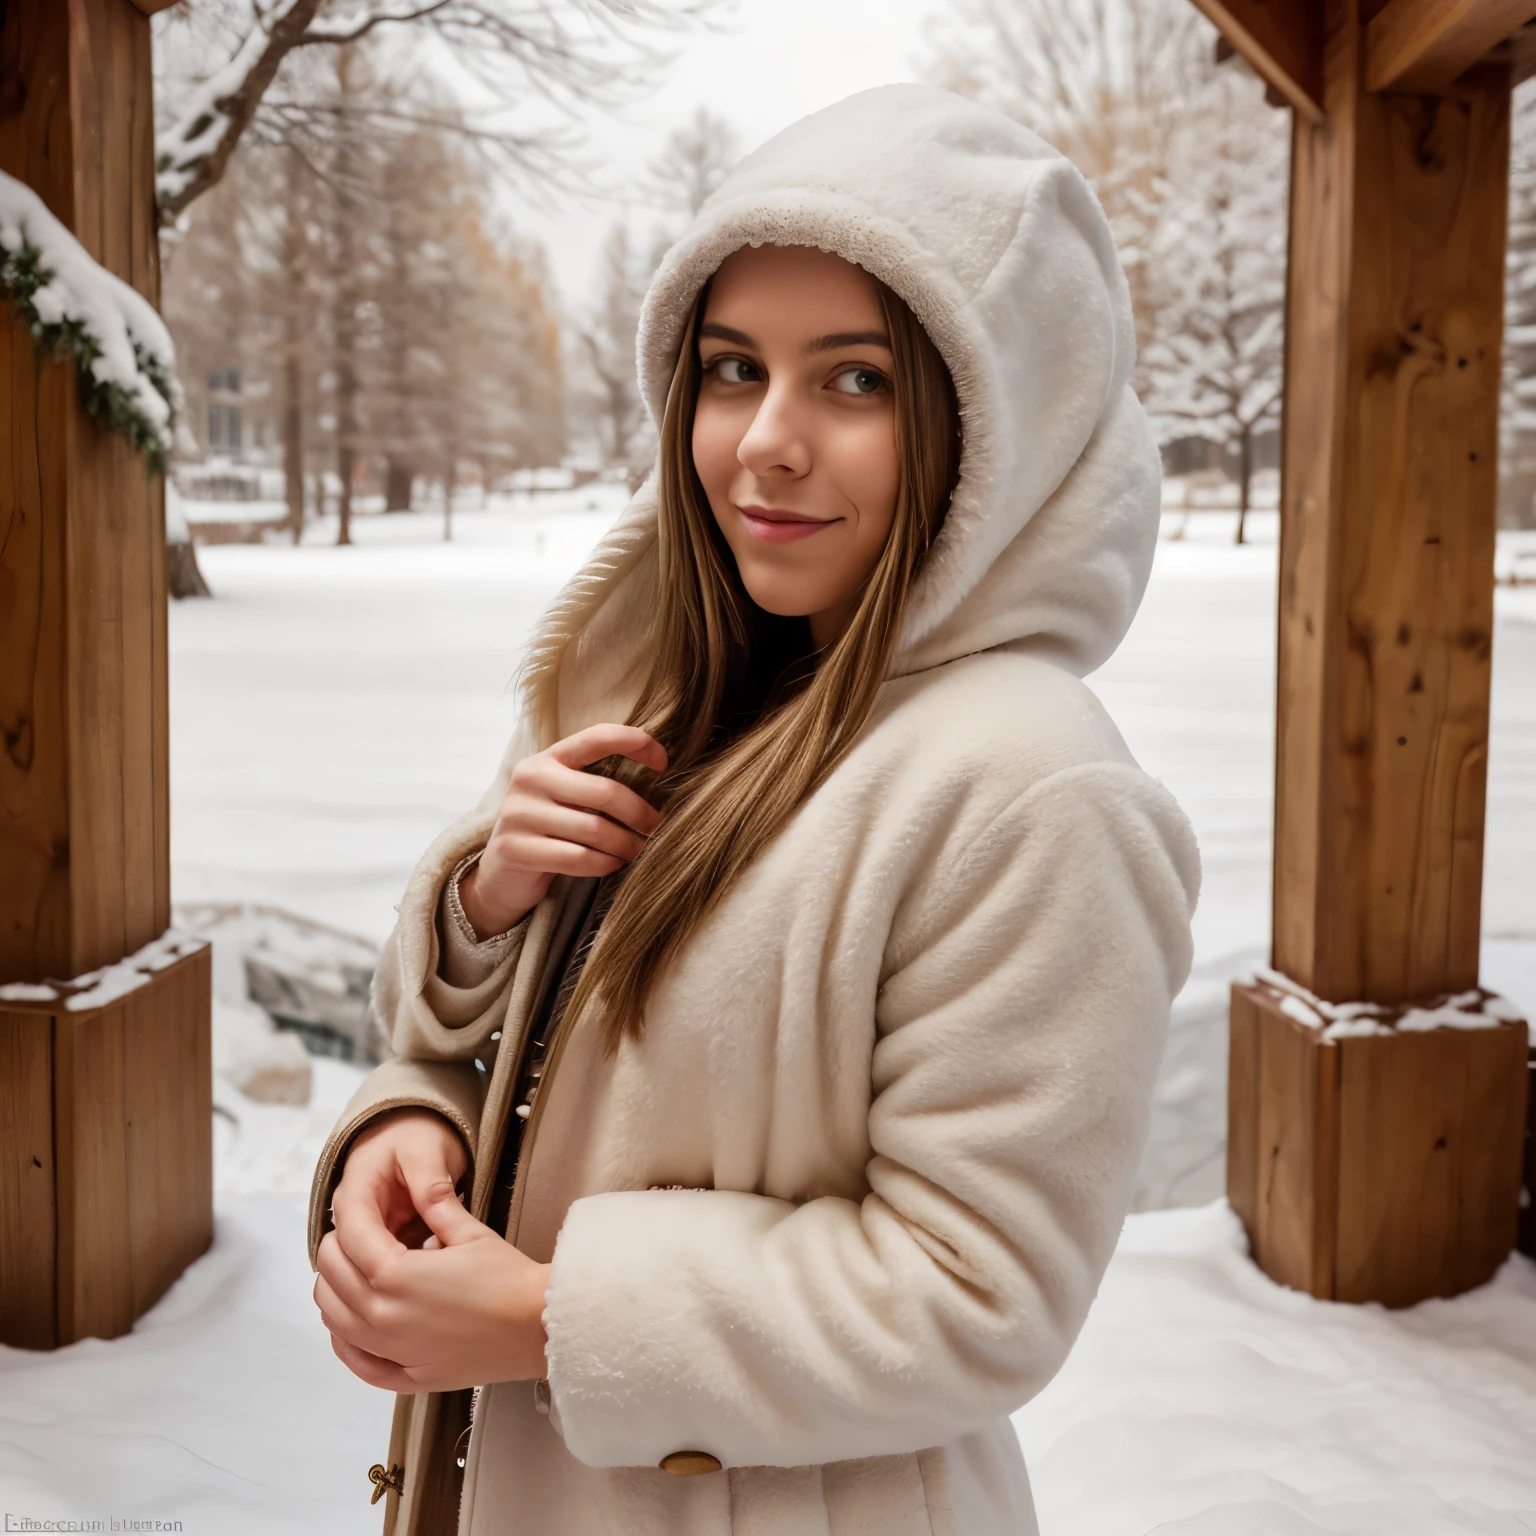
(729, 792)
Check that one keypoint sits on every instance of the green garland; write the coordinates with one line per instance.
(22, 273)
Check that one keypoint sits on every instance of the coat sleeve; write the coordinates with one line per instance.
(435, 1029)
(1020, 1024)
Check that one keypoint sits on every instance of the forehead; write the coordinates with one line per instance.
(795, 287)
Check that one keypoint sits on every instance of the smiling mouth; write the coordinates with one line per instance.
(775, 526)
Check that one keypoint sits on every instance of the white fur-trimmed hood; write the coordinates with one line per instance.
(1002, 251)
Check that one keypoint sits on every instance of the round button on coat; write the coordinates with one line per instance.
(689, 1463)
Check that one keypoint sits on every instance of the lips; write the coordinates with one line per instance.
(773, 525)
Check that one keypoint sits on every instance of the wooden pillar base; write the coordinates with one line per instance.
(106, 1154)
(1381, 1167)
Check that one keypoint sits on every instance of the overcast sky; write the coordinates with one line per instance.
(767, 63)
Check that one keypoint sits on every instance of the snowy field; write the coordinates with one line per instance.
(332, 709)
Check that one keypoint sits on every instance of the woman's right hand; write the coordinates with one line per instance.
(557, 820)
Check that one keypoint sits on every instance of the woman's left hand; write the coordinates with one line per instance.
(463, 1310)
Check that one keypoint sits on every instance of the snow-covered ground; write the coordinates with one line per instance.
(332, 709)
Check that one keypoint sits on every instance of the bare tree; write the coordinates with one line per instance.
(1093, 76)
(465, 365)
(1216, 366)
(383, 320)
(610, 396)
(516, 51)
(1103, 81)
(1517, 468)
(694, 162)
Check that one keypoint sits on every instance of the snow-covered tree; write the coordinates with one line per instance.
(400, 332)
(1214, 368)
(1102, 80)
(1517, 489)
(232, 68)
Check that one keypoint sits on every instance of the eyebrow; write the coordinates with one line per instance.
(832, 343)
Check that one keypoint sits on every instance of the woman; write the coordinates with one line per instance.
(791, 1185)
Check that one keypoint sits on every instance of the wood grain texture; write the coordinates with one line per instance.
(1243, 1108)
(1389, 483)
(27, 1250)
(1384, 1169)
(1296, 1145)
(83, 720)
(168, 1084)
(1424, 45)
(106, 1155)
(1432, 1127)
(95, 1276)
(1282, 40)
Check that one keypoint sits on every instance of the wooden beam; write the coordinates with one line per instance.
(1424, 45)
(1282, 40)
(1390, 478)
(84, 750)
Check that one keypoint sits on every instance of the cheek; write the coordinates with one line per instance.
(717, 435)
(867, 471)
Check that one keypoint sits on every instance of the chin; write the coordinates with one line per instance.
(779, 598)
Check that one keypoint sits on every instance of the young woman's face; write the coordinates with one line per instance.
(794, 436)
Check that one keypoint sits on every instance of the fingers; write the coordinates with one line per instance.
(451, 1224)
(586, 829)
(346, 1301)
(362, 1232)
(600, 741)
(344, 1321)
(554, 857)
(431, 1184)
(591, 792)
(375, 1371)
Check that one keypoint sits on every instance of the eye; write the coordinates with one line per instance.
(734, 370)
(860, 380)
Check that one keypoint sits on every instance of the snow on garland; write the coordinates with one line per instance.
(73, 306)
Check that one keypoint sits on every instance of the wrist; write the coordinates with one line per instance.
(537, 1332)
(487, 918)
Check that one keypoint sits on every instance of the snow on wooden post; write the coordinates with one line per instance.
(1383, 1163)
(102, 1112)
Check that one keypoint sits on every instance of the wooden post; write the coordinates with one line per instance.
(84, 840)
(1390, 476)
(84, 782)
(1386, 561)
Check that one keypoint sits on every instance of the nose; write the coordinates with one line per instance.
(777, 443)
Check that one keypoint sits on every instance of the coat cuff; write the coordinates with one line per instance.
(629, 1321)
(468, 961)
(453, 1089)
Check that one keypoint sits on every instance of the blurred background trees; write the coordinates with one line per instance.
(359, 314)
(352, 302)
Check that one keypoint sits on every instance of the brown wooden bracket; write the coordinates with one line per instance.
(149, 7)
(1282, 40)
(1423, 45)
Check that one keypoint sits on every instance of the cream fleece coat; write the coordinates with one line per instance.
(846, 1204)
